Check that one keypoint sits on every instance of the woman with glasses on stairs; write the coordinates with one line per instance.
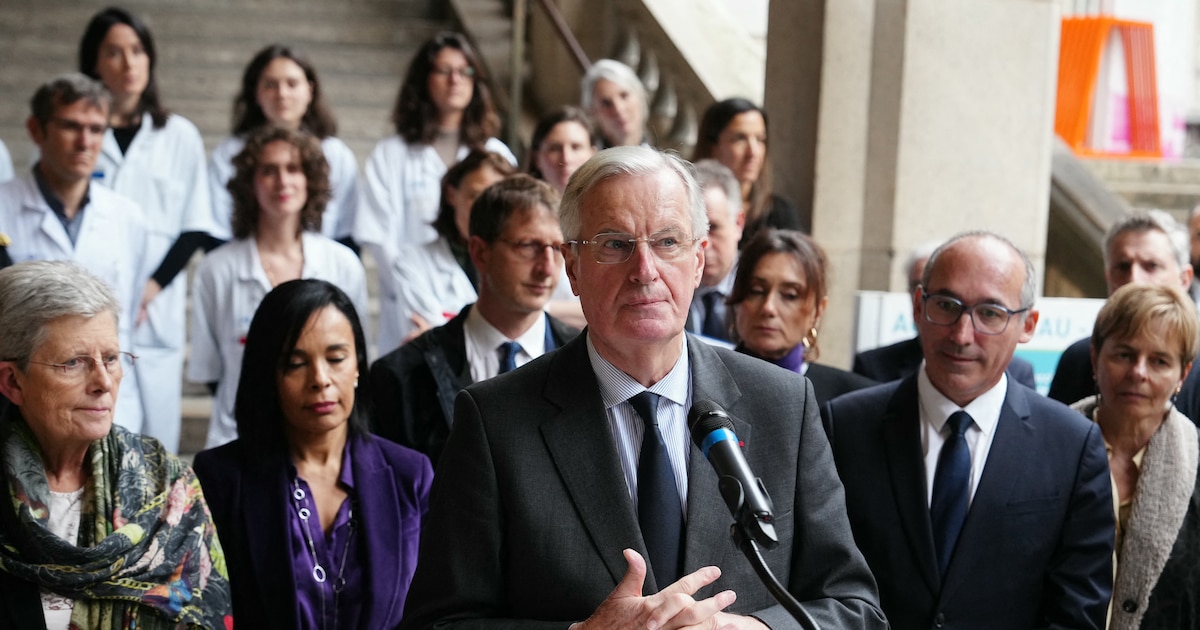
(444, 110)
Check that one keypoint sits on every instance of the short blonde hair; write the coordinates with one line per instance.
(1133, 307)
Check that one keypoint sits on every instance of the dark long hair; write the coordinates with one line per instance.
(716, 118)
(274, 331)
(414, 113)
(248, 114)
(89, 55)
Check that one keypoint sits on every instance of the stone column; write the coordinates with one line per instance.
(915, 120)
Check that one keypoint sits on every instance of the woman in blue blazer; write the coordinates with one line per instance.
(319, 520)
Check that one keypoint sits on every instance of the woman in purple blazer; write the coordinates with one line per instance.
(319, 520)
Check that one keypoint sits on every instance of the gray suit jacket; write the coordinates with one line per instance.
(529, 511)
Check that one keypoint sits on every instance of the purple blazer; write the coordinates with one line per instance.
(247, 492)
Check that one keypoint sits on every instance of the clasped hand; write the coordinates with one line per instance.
(672, 607)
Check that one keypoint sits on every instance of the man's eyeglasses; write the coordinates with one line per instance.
(531, 250)
(988, 319)
(76, 368)
(611, 248)
(466, 72)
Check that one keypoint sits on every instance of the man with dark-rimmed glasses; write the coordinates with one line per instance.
(977, 502)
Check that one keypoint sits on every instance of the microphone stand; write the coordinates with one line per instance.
(746, 531)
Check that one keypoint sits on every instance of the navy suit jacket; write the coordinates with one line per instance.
(530, 510)
(1036, 548)
(248, 493)
(902, 358)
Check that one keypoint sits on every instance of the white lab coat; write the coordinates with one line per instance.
(6, 167)
(230, 283)
(111, 245)
(164, 171)
(338, 219)
(402, 189)
(432, 285)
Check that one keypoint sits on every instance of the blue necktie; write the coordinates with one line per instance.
(659, 513)
(508, 356)
(714, 320)
(951, 489)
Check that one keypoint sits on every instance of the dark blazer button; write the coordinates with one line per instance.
(939, 620)
(1129, 606)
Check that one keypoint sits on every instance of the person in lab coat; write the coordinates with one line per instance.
(280, 87)
(279, 190)
(443, 111)
(54, 213)
(437, 279)
(157, 159)
(6, 167)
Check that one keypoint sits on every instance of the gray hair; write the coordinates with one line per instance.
(66, 89)
(1146, 220)
(618, 73)
(712, 174)
(1028, 289)
(636, 161)
(32, 294)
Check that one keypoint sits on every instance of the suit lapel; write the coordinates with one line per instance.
(581, 446)
(906, 468)
(378, 500)
(1010, 445)
(707, 540)
(264, 514)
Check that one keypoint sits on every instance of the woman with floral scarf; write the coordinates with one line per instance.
(99, 527)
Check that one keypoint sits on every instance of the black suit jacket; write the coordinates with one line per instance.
(414, 385)
(829, 382)
(530, 511)
(1036, 548)
(894, 362)
(1073, 377)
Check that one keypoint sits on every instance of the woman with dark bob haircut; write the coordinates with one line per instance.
(320, 521)
(279, 194)
(778, 299)
(157, 159)
(280, 88)
(734, 132)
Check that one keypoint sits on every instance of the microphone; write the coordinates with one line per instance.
(744, 493)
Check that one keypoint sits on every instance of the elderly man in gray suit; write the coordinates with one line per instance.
(549, 508)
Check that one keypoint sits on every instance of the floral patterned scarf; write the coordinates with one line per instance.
(147, 556)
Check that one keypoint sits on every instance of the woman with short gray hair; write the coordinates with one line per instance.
(101, 528)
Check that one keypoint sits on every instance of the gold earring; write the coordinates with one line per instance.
(809, 343)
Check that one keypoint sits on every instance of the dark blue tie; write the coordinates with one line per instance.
(951, 489)
(508, 356)
(714, 320)
(659, 513)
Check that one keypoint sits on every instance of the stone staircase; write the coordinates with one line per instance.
(1171, 186)
(361, 49)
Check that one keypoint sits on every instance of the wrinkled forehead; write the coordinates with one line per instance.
(636, 204)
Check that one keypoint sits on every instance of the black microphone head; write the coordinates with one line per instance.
(705, 417)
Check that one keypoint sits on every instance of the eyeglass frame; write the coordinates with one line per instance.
(466, 72)
(964, 308)
(90, 363)
(520, 248)
(634, 240)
